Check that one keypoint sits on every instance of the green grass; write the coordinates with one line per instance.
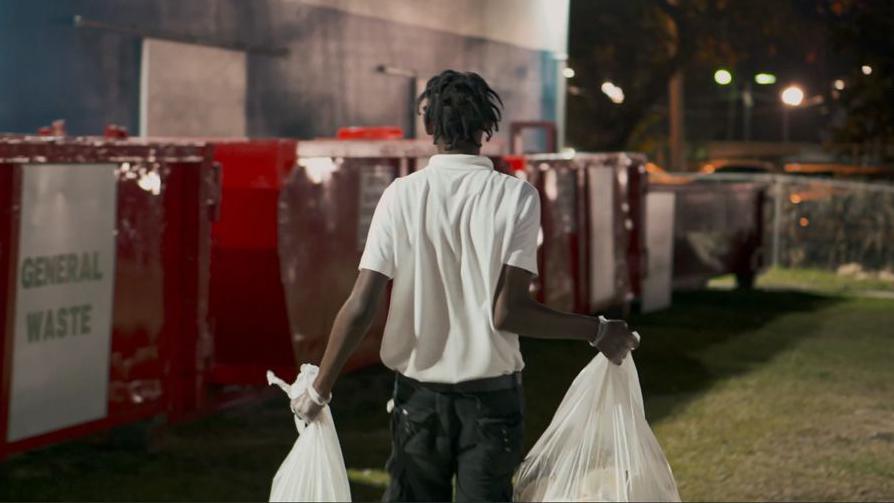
(815, 280)
(754, 395)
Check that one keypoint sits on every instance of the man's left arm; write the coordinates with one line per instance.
(350, 326)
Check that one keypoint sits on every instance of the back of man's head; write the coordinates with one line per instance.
(458, 108)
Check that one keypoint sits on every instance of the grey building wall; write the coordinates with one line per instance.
(51, 69)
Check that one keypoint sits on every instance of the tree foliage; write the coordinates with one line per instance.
(640, 44)
(861, 30)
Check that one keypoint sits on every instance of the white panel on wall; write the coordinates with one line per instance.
(192, 90)
(602, 237)
(660, 247)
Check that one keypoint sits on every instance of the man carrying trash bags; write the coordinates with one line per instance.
(458, 240)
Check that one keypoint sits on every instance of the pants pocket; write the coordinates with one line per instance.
(414, 430)
(501, 438)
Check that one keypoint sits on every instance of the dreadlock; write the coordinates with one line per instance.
(457, 106)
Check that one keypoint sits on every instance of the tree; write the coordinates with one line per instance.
(631, 43)
(861, 30)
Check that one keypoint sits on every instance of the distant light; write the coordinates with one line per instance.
(794, 198)
(866, 69)
(614, 93)
(792, 96)
(723, 76)
(838, 84)
(568, 72)
(318, 169)
(765, 79)
(804, 222)
(150, 182)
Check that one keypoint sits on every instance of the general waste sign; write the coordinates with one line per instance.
(64, 288)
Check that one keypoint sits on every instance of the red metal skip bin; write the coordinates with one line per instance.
(104, 253)
(247, 301)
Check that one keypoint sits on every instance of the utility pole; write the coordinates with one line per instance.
(676, 107)
(677, 143)
(747, 105)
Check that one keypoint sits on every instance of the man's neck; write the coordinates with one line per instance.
(470, 150)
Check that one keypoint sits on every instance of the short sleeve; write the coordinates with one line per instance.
(523, 240)
(378, 254)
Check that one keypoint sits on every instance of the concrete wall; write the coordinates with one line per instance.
(534, 24)
(52, 69)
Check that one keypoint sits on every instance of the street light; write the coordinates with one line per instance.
(614, 93)
(723, 76)
(765, 79)
(838, 84)
(867, 70)
(792, 96)
(568, 72)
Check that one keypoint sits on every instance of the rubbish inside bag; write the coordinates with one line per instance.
(598, 446)
(314, 470)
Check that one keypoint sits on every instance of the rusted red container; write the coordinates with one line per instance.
(104, 268)
(592, 253)
(718, 229)
(324, 215)
(247, 302)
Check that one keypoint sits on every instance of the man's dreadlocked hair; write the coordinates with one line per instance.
(457, 106)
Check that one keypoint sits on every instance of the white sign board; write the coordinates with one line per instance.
(603, 290)
(660, 246)
(64, 288)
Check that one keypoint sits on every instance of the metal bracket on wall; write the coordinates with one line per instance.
(83, 22)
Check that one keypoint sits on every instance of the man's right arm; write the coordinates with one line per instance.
(516, 311)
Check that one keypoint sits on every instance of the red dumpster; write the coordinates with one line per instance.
(592, 250)
(259, 265)
(325, 210)
(718, 229)
(104, 249)
(247, 301)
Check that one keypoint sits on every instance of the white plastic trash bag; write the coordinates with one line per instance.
(598, 446)
(314, 470)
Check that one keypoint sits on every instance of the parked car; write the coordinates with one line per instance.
(745, 166)
(844, 171)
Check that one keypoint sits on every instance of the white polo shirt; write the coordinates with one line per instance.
(443, 234)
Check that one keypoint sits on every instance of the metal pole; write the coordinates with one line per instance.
(677, 135)
(747, 105)
(777, 219)
(784, 123)
(411, 123)
(561, 90)
(731, 113)
(676, 108)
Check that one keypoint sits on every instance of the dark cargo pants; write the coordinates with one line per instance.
(438, 434)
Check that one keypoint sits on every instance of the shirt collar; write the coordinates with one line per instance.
(462, 161)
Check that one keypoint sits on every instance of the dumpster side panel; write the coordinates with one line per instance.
(247, 300)
(186, 248)
(139, 344)
(637, 254)
(162, 238)
(717, 230)
(325, 210)
(9, 202)
(558, 183)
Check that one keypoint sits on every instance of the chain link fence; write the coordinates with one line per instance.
(822, 223)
